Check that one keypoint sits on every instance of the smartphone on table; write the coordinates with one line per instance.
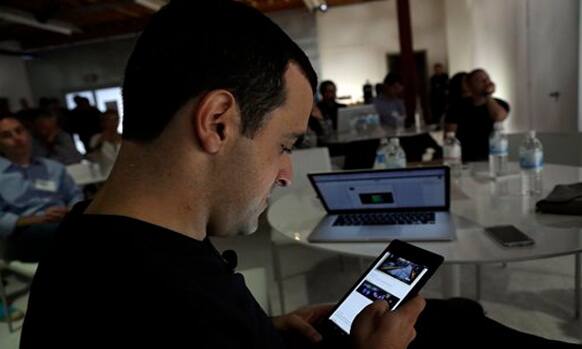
(509, 236)
(395, 276)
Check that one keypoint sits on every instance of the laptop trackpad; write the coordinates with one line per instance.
(380, 230)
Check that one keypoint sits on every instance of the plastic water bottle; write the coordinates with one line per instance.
(498, 149)
(395, 156)
(531, 162)
(452, 154)
(380, 162)
(418, 115)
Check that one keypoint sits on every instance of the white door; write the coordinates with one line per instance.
(553, 43)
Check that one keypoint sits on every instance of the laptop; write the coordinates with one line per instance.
(410, 204)
(347, 117)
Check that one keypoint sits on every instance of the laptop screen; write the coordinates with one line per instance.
(402, 189)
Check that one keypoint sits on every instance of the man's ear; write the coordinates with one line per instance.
(215, 120)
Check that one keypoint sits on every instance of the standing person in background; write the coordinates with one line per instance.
(105, 145)
(328, 105)
(51, 142)
(439, 89)
(389, 105)
(472, 118)
(85, 120)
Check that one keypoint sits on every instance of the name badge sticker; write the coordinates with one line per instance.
(45, 185)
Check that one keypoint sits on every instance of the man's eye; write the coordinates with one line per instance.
(285, 149)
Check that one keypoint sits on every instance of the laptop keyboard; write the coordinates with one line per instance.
(385, 218)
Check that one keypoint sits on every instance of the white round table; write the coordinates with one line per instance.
(476, 202)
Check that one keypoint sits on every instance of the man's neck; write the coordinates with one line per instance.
(133, 192)
(21, 160)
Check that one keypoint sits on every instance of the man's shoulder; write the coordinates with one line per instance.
(4, 163)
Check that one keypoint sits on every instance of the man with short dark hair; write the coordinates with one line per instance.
(328, 104)
(233, 94)
(35, 194)
(473, 118)
(135, 268)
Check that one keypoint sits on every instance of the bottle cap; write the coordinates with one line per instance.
(531, 133)
(394, 141)
(450, 135)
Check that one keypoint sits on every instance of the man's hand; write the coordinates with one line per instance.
(301, 321)
(55, 213)
(490, 89)
(376, 327)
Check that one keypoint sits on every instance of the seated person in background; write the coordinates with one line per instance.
(328, 105)
(472, 118)
(389, 105)
(35, 194)
(51, 142)
(105, 145)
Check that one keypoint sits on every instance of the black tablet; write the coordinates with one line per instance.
(395, 276)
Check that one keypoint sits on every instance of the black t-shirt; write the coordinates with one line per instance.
(474, 125)
(113, 281)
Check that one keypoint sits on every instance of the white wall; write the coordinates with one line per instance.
(354, 40)
(14, 83)
(459, 34)
(300, 26)
(90, 66)
(497, 34)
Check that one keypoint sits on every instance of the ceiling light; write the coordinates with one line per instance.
(154, 5)
(316, 5)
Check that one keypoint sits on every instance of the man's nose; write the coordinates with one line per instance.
(285, 176)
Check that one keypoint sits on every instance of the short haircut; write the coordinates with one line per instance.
(392, 79)
(324, 85)
(192, 47)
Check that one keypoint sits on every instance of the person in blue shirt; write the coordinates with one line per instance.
(389, 105)
(35, 194)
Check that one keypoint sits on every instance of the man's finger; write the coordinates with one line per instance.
(412, 308)
(367, 317)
